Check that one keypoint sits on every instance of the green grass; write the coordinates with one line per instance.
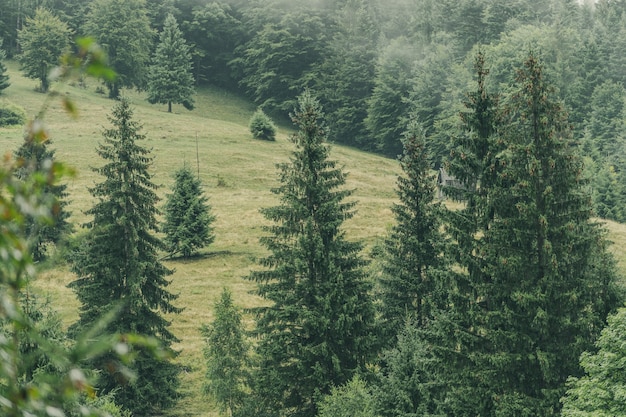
(228, 155)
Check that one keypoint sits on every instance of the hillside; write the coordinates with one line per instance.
(243, 167)
(237, 173)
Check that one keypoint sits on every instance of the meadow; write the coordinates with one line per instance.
(237, 173)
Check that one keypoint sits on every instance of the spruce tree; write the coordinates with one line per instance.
(414, 279)
(317, 331)
(441, 374)
(119, 266)
(541, 282)
(170, 77)
(188, 218)
(34, 156)
(226, 354)
(4, 77)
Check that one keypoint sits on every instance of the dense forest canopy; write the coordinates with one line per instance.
(374, 64)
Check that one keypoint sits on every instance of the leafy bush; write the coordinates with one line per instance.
(262, 126)
(11, 114)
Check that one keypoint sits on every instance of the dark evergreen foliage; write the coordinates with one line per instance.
(118, 265)
(170, 78)
(34, 157)
(387, 109)
(278, 60)
(318, 330)
(215, 30)
(539, 281)
(261, 126)
(11, 114)
(4, 77)
(188, 218)
(414, 283)
(226, 354)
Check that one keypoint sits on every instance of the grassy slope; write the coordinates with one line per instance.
(227, 152)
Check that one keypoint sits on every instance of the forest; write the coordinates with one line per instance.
(477, 278)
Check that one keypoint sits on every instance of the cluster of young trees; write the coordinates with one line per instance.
(121, 283)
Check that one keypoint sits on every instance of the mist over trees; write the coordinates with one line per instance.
(494, 306)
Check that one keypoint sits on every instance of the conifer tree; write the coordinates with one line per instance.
(413, 283)
(118, 265)
(541, 283)
(226, 353)
(318, 330)
(439, 375)
(4, 77)
(188, 218)
(170, 77)
(34, 155)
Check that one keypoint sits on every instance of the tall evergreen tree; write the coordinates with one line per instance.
(188, 218)
(226, 354)
(34, 155)
(444, 377)
(4, 77)
(544, 281)
(413, 275)
(119, 265)
(318, 330)
(170, 77)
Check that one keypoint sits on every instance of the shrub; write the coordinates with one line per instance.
(11, 114)
(262, 126)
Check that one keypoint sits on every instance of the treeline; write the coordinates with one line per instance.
(374, 64)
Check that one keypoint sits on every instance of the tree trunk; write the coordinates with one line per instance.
(169, 106)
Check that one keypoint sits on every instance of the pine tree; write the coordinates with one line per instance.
(542, 282)
(226, 355)
(414, 265)
(444, 378)
(318, 330)
(118, 265)
(188, 218)
(170, 77)
(4, 77)
(34, 156)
